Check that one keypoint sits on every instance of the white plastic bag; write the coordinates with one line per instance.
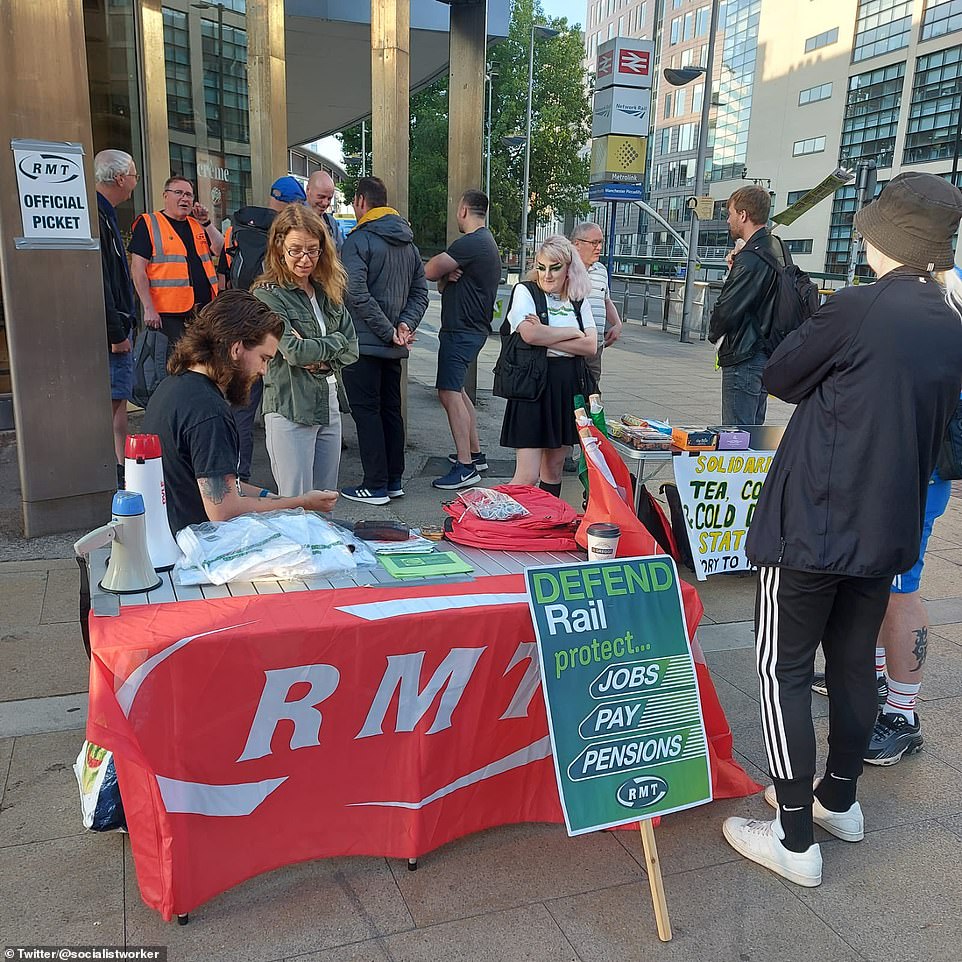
(100, 804)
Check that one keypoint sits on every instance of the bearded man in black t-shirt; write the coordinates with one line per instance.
(222, 353)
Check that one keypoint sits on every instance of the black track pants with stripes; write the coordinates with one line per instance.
(794, 612)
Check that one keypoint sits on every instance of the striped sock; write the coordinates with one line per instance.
(879, 661)
(901, 699)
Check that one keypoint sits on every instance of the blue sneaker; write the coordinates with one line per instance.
(395, 489)
(366, 495)
(460, 476)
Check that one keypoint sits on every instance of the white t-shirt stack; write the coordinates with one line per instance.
(560, 314)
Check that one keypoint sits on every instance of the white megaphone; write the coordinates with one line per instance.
(129, 570)
(144, 472)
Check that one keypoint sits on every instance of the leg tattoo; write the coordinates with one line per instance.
(921, 646)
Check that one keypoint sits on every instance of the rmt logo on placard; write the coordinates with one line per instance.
(634, 62)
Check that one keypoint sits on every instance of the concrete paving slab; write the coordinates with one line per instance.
(727, 598)
(527, 934)
(42, 661)
(945, 611)
(941, 578)
(949, 554)
(951, 632)
(21, 596)
(954, 825)
(60, 599)
(49, 564)
(736, 666)
(6, 751)
(33, 716)
(41, 800)
(720, 637)
(67, 891)
(725, 912)
(297, 909)
(943, 670)
(880, 871)
(740, 708)
(509, 866)
(942, 733)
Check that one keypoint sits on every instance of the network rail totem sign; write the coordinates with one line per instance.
(620, 689)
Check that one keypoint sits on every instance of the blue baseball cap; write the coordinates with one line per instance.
(288, 191)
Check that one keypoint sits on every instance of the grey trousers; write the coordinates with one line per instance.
(304, 457)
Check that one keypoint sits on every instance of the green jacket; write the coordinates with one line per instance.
(289, 388)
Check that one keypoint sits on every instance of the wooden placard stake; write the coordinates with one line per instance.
(653, 867)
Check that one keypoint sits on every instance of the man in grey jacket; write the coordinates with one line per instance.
(387, 296)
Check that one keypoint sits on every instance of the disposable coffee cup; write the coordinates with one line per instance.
(602, 541)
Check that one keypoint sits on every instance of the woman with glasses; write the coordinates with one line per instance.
(303, 282)
(543, 431)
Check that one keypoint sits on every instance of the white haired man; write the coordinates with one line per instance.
(116, 177)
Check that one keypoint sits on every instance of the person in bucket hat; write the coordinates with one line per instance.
(875, 375)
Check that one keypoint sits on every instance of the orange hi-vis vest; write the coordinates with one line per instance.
(167, 272)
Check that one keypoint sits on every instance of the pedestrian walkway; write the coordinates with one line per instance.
(519, 892)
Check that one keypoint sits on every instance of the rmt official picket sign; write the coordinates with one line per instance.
(53, 196)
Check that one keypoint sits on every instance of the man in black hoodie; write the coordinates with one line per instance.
(876, 374)
(387, 296)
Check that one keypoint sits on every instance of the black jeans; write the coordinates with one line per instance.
(794, 612)
(373, 386)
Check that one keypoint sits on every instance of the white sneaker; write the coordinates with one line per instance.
(848, 826)
(762, 843)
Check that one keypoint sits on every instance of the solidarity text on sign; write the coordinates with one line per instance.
(719, 490)
(624, 715)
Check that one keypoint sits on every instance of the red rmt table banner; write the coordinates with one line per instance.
(255, 732)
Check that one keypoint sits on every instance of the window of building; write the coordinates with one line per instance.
(839, 245)
(821, 40)
(941, 17)
(688, 32)
(621, 26)
(702, 21)
(681, 96)
(687, 57)
(180, 108)
(729, 147)
(796, 195)
(297, 163)
(813, 94)
(871, 116)
(667, 112)
(813, 145)
(225, 81)
(697, 93)
(183, 161)
(934, 113)
(881, 26)
(676, 30)
(799, 246)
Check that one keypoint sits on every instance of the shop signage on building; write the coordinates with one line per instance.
(621, 110)
(624, 62)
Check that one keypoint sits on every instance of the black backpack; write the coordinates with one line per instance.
(796, 296)
(248, 245)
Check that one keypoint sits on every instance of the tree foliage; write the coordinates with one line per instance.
(560, 127)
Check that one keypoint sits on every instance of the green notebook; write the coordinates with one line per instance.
(424, 565)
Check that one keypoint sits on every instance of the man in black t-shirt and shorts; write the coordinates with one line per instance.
(224, 350)
(467, 274)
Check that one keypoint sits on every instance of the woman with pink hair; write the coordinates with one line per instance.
(542, 431)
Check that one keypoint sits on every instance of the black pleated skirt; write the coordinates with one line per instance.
(548, 422)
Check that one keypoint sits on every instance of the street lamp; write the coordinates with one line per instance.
(678, 78)
(542, 31)
(489, 76)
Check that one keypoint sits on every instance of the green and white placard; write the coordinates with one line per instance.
(620, 687)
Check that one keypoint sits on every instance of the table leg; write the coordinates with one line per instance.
(183, 919)
(412, 864)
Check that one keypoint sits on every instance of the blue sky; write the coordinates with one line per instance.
(574, 10)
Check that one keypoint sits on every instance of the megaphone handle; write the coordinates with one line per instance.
(99, 538)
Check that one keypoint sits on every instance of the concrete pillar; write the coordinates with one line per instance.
(267, 78)
(156, 149)
(466, 54)
(467, 51)
(53, 298)
(390, 96)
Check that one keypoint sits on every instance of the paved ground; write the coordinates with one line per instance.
(520, 892)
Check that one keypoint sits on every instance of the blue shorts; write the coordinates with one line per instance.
(457, 350)
(121, 376)
(936, 501)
